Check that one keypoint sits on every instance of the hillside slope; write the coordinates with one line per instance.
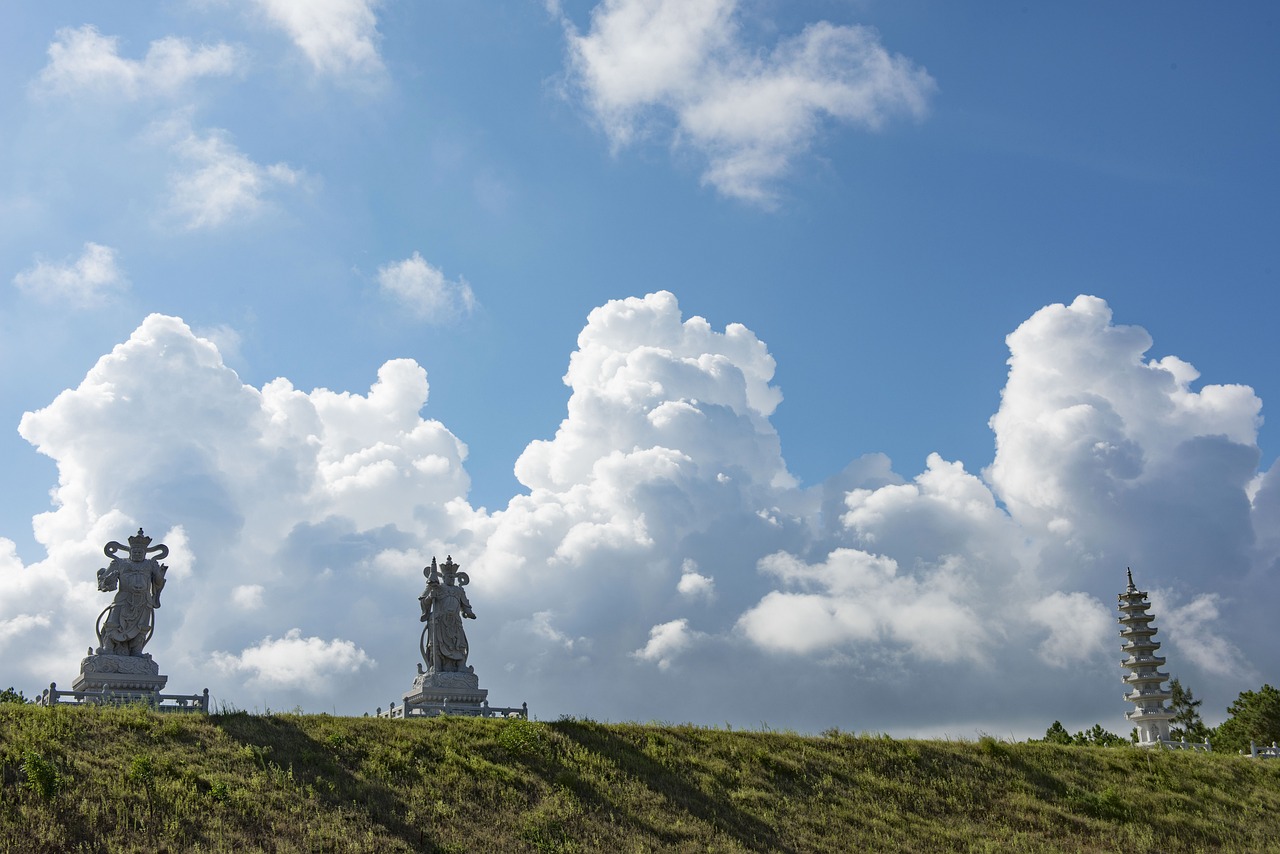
(132, 780)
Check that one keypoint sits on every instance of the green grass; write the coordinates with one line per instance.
(75, 779)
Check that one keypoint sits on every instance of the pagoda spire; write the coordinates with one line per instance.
(1145, 679)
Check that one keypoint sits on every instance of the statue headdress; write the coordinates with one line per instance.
(139, 542)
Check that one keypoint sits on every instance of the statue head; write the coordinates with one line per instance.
(138, 546)
(450, 569)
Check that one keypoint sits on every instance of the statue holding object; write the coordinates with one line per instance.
(448, 685)
(126, 625)
(444, 640)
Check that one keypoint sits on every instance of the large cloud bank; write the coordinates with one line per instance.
(662, 562)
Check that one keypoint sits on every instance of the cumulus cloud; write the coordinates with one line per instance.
(861, 598)
(84, 60)
(1119, 456)
(667, 642)
(1195, 632)
(749, 111)
(337, 36)
(82, 283)
(217, 183)
(425, 291)
(286, 499)
(694, 585)
(295, 662)
(939, 602)
(1077, 627)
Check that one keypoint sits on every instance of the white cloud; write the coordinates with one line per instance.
(873, 594)
(218, 183)
(1119, 456)
(863, 599)
(296, 662)
(247, 597)
(337, 36)
(84, 60)
(287, 499)
(1079, 627)
(693, 585)
(425, 291)
(1194, 630)
(19, 626)
(82, 283)
(226, 338)
(667, 642)
(749, 111)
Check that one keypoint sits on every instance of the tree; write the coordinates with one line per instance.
(1094, 737)
(1057, 734)
(1254, 716)
(8, 695)
(1186, 721)
(1099, 737)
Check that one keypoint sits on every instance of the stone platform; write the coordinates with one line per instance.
(449, 693)
(122, 675)
(456, 693)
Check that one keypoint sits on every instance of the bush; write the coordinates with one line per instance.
(42, 776)
(523, 737)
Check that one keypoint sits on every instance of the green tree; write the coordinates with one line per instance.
(1186, 721)
(1095, 736)
(1099, 737)
(1254, 716)
(8, 695)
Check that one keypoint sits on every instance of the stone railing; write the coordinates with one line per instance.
(429, 710)
(51, 696)
(1264, 752)
(1183, 744)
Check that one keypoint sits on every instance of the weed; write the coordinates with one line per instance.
(521, 737)
(992, 746)
(42, 776)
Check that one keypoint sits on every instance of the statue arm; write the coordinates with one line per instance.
(157, 582)
(108, 578)
(466, 608)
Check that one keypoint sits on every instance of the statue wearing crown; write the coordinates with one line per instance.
(448, 685)
(126, 625)
(443, 608)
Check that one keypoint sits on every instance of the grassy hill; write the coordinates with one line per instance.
(131, 780)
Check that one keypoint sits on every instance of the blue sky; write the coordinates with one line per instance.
(879, 193)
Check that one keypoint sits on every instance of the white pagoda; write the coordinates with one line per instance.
(1145, 679)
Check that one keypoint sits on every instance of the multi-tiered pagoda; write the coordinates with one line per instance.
(1144, 677)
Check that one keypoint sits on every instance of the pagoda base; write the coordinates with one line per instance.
(1153, 727)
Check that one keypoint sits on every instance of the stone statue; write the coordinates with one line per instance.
(444, 646)
(126, 625)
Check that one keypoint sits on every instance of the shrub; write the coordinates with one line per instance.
(523, 737)
(42, 776)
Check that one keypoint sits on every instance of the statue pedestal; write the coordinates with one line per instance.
(128, 678)
(445, 693)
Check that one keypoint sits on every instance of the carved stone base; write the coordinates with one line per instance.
(459, 691)
(121, 674)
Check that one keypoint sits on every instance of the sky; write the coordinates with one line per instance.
(803, 364)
